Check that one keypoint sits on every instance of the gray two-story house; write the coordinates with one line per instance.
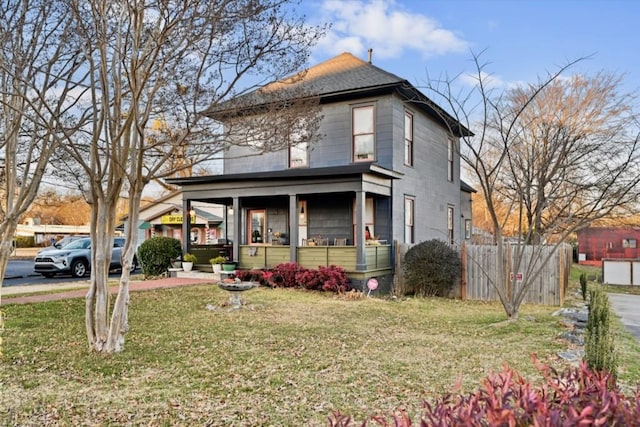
(385, 170)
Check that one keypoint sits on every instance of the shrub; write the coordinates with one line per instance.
(329, 279)
(27, 242)
(577, 397)
(431, 268)
(599, 349)
(292, 275)
(583, 286)
(284, 275)
(155, 254)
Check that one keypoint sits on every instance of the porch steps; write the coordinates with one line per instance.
(198, 274)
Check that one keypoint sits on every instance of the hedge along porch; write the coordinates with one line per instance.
(311, 216)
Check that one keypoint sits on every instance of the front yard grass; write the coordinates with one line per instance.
(287, 358)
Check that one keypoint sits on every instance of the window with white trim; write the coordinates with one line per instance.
(450, 213)
(363, 133)
(409, 216)
(298, 154)
(408, 138)
(450, 159)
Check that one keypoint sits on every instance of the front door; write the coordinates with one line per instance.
(257, 221)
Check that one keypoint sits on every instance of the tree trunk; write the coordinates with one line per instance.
(120, 317)
(97, 304)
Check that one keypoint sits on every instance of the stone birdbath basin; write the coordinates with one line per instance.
(235, 289)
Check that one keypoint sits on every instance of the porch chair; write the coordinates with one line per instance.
(340, 242)
(322, 242)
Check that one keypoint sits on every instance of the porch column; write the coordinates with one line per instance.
(236, 228)
(293, 227)
(361, 258)
(186, 225)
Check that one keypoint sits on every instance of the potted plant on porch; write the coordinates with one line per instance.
(229, 265)
(187, 261)
(216, 263)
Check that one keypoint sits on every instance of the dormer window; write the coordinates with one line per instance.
(363, 133)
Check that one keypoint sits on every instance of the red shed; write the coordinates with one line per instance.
(596, 243)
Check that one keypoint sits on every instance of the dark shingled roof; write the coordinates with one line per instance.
(340, 78)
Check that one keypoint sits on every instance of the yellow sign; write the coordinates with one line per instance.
(174, 219)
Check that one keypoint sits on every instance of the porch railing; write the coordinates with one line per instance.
(256, 257)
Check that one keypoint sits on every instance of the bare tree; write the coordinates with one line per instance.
(550, 157)
(154, 67)
(37, 98)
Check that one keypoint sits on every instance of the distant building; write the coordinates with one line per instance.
(598, 243)
(164, 217)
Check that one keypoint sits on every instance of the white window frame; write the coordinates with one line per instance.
(450, 159)
(409, 219)
(450, 223)
(364, 135)
(299, 155)
(408, 138)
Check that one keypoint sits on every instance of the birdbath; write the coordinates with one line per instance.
(235, 289)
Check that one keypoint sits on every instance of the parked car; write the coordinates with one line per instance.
(62, 243)
(75, 259)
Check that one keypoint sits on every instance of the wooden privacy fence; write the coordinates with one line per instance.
(551, 269)
(480, 263)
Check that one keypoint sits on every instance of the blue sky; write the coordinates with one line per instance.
(522, 39)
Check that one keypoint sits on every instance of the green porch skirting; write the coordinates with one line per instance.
(378, 257)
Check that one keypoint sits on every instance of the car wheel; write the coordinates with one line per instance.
(48, 275)
(134, 265)
(79, 268)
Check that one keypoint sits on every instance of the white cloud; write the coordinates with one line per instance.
(386, 28)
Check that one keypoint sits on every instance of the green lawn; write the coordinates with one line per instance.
(287, 358)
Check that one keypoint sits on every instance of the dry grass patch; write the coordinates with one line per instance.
(287, 358)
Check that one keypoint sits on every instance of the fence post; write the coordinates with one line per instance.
(463, 279)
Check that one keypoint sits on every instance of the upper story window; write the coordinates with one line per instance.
(298, 154)
(450, 159)
(363, 133)
(408, 138)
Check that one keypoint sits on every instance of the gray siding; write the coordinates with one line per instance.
(426, 181)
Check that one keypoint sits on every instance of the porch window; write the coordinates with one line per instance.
(298, 154)
(409, 215)
(450, 159)
(450, 224)
(408, 138)
(363, 133)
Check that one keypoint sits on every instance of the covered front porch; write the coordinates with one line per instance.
(315, 217)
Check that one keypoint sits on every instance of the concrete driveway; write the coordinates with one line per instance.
(628, 308)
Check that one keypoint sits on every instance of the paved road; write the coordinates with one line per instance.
(628, 308)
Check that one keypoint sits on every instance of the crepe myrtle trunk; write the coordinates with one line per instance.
(120, 317)
(97, 300)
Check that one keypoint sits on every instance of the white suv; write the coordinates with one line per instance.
(75, 259)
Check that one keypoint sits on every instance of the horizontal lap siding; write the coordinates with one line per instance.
(312, 257)
(277, 256)
(343, 257)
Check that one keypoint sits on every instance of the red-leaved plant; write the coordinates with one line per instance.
(577, 397)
